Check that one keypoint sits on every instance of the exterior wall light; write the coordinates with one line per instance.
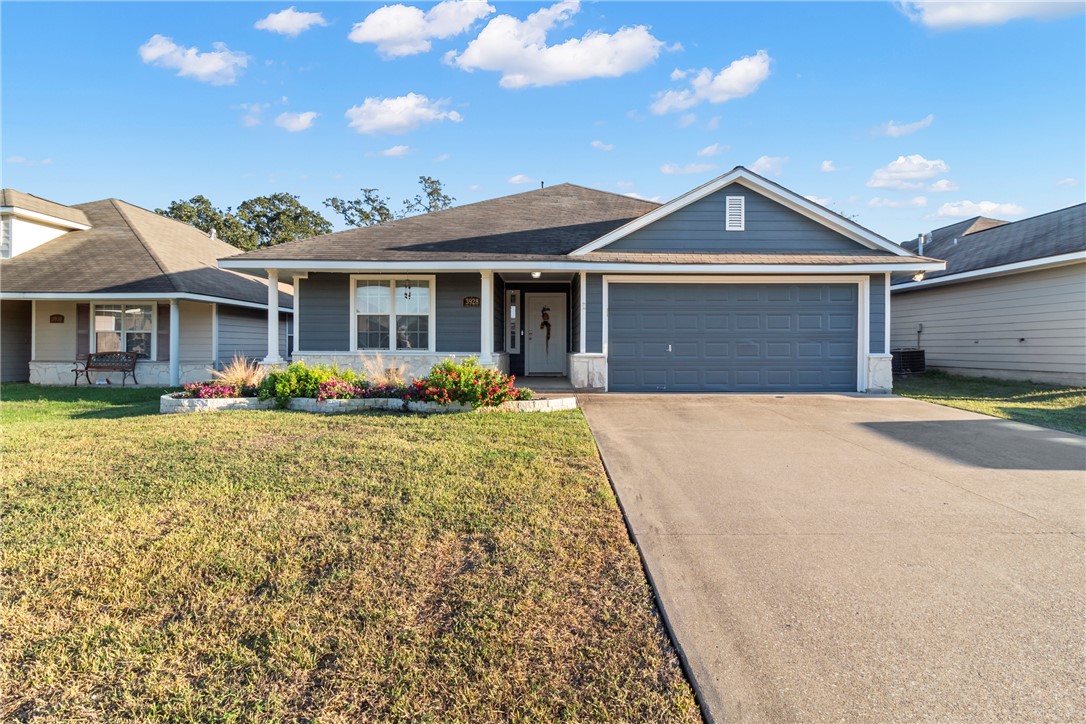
(536, 275)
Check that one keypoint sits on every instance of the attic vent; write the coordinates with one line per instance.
(734, 214)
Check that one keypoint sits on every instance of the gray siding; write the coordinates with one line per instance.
(699, 227)
(458, 326)
(14, 341)
(877, 320)
(575, 313)
(245, 332)
(324, 308)
(594, 313)
(1023, 326)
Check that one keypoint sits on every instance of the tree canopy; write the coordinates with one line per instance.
(372, 208)
(260, 221)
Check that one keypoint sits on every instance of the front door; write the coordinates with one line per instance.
(545, 334)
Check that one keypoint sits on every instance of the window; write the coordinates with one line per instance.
(512, 321)
(394, 314)
(5, 239)
(124, 328)
(734, 213)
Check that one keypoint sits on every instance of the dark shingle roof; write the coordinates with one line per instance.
(531, 226)
(131, 250)
(29, 202)
(981, 243)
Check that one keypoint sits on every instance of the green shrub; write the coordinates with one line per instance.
(466, 382)
(301, 380)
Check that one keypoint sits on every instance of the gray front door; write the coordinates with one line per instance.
(731, 337)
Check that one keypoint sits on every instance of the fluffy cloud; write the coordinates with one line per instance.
(943, 185)
(399, 30)
(220, 66)
(828, 167)
(290, 22)
(601, 146)
(741, 78)
(253, 113)
(769, 165)
(906, 172)
(24, 161)
(398, 115)
(1069, 181)
(968, 209)
(395, 151)
(710, 151)
(518, 50)
(915, 202)
(520, 179)
(893, 129)
(295, 122)
(945, 15)
(673, 169)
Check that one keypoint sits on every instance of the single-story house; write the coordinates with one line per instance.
(1011, 302)
(110, 276)
(738, 285)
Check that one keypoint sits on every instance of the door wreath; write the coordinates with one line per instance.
(546, 325)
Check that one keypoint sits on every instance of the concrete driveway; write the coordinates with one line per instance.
(844, 558)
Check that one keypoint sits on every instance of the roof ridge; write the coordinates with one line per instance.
(1028, 218)
(605, 191)
(154, 257)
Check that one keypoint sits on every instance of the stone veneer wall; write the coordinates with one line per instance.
(880, 373)
(588, 372)
(149, 374)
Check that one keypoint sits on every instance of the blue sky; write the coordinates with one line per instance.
(907, 116)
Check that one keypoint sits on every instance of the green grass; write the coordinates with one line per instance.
(1056, 407)
(287, 566)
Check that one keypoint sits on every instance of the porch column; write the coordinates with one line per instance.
(273, 357)
(583, 311)
(486, 318)
(175, 345)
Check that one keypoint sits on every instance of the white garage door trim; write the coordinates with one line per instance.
(863, 311)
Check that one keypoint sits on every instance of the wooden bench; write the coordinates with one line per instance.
(124, 362)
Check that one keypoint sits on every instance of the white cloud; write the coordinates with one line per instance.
(295, 122)
(398, 115)
(967, 209)
(828, 167)
(880, 203)
(713, 124)
(769, 165)
(395, 151)
(686, 120)
(601, 146)
(710, 151)
(520, 179)
(474, 187)
(741, 78)
(672, 169)
(945, 15)
(625, 184)
(906, 172)
(220, 66)
(441, 157)
(820, 200)
(518, 50)
(24, 161)
(400, 30)
(893, 129)
(290, 22)
(1069, 181)
(253, 113)
(634, 195)
(678, 74)
(943, 185)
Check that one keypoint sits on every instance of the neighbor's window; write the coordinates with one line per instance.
(393, 314)
(124, 328)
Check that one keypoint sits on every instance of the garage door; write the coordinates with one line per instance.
(731, 337)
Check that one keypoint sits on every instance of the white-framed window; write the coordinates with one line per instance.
(124, 328)
(5, 238)
(513, 314)
(392, 313)
(735, 213)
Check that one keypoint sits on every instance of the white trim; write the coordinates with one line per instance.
(34, 329)
(581, 264)
(513, 325)
(273, 318)
(296, 293)
(863, 305)
(486, 317)
(583, 311)
(992, 271)
(92, 343)
(392, 279)
(742, 221)
(39, 217)
(175, 344)
(886, 315)
(215, 336)
(107, 297)
(756, 183)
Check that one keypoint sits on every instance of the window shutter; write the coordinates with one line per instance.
(163, 332)
(82, 331)
(735, 213)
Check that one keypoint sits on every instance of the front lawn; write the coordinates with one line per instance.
(290, 566)
(1057, 407)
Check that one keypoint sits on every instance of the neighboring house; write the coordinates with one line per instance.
(738, 285)
(107, 275)
(1011, 302)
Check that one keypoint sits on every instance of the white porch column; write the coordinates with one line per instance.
(175, 345)
(486, 319)
(273, 357)
(583, 311)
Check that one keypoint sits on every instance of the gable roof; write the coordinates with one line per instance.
(1054, 234)
(747, 178)
(14, 199)
(129, 250)
(530, 226)
(937, 237)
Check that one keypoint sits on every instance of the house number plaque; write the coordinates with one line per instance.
(56, 319)
(471, 301)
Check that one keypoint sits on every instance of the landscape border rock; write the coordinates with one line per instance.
(169, 404)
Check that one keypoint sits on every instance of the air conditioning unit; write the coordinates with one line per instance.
(908, 361)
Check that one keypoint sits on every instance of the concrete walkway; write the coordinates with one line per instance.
(845, 558)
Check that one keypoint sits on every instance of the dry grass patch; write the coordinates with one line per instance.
(281, 566)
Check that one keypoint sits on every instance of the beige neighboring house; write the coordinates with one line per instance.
(1011, 303)
(106, 276)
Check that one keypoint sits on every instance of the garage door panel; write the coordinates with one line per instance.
(739, 337)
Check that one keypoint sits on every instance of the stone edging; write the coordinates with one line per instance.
(169, 404)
